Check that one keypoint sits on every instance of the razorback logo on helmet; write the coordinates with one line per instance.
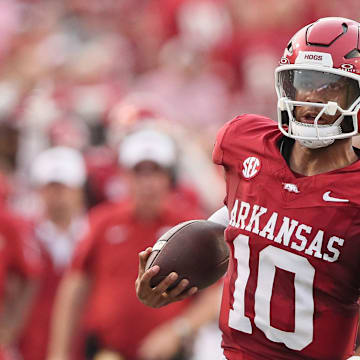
(348, 67)
(284, 61)
(250, 167)
(314, 58)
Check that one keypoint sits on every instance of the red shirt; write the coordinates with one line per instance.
(19, 253)
(293, 281)
(109, 254)
(35, 336)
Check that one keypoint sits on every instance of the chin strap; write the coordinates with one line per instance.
(309, 130)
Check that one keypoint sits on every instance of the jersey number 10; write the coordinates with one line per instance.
(270, 258)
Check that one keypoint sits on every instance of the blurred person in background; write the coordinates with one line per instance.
(138, 111)
(58, 175)
(20, 267)
(195, 168)
(100, 283)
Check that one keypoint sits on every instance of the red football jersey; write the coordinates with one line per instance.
(293, 282)
(109, 254)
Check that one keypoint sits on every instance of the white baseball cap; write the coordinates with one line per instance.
(60, 165)
(147, 145)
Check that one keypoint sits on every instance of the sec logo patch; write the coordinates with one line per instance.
(251, 167)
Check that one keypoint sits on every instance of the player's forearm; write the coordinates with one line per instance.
(69, 300)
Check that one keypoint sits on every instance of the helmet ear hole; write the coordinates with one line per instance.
(347, 125)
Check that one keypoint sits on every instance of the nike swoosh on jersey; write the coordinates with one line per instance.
(327, 197)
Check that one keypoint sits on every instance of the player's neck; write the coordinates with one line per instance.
(310, 162)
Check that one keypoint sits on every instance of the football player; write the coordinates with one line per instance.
(293, 206)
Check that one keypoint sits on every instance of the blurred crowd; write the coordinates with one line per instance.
(78, 79)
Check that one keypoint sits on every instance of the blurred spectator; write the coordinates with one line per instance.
(9, 142)
(196, 179)
(194, 169)
(20, 267)
(105, 264)
(349, 9)
(185, 80)
(59, 176)
(69, 132)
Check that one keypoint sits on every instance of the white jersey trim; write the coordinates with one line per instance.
(220, 216)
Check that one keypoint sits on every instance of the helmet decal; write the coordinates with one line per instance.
(284, 61)
(347, 67)
(314, 58)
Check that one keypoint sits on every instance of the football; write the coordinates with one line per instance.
(195, 250)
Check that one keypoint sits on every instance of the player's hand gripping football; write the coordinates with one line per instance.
(158, 296)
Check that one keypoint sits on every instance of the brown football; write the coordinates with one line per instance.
(195, 250)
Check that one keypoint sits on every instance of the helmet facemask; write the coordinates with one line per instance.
(317, 106)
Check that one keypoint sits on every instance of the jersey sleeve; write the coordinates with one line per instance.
(218, 153)
(242, 135)
(228, 139)
(239, 138)
(220, 216)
